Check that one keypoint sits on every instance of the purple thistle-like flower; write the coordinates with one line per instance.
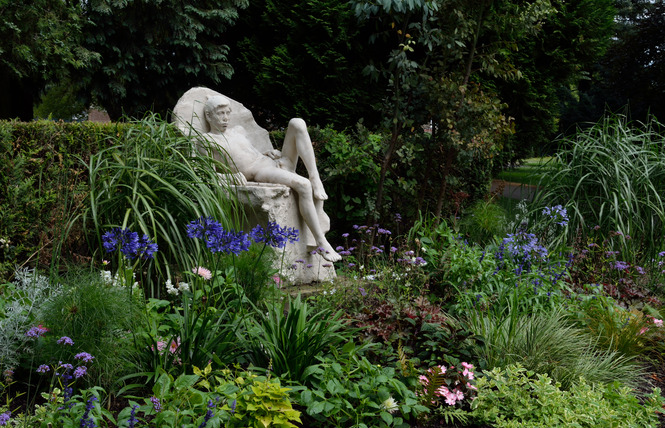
(64, 340)
(362, 291)
(80, 372)
(274, 235)
(43, 368)
(5, 417)
(36, 331)
(345, 235)
(85, 357)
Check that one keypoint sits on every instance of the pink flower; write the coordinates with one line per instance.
(643, 330)
(203, 272)
(657, 322)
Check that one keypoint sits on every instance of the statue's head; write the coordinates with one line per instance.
(217, 110)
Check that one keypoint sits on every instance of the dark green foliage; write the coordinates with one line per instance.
(39, 40)
(345, 158)
(301, 59)
(483, 221)
(554, 63)
(153, 51)
(44, 184)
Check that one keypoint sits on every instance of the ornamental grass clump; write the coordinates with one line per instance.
(151, 180)
(612, 175)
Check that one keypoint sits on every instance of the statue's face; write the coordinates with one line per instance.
(218, 118)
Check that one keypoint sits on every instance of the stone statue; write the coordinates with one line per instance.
(264, 179)
(272, 166)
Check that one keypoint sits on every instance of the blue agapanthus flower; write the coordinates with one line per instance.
(525, 247)
(274, 235)
(128, 243)
(558, 214)
(218, 239)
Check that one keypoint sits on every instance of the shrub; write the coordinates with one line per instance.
(349, 390)
(98, 318)
(516, 397)
(20, 307)
(44, 185)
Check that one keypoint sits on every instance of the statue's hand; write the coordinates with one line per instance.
(273, 154)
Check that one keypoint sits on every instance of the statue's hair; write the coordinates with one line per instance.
(215, 101)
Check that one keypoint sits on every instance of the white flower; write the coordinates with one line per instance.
(107, 277)
(389, 405)
(183, 286)
(170, 288)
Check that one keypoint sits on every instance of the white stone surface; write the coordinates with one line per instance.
(263, 202)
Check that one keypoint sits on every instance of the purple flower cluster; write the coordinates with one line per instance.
(4, 418)
(87, 421)
(132, 417)
(217, 239)
(156, 404)
(209, 414)
(128, 243)
(274, 235)
(84, 357)
(64, 340)
(36, 332)
(619, 265)
(558, 214)
(524, 247)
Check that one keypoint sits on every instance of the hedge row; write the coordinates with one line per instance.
(43, 184)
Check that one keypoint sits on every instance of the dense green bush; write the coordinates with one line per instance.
(515, 397)
(44, 182)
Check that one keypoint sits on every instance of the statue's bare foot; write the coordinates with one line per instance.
(317, 190)
(327, 252)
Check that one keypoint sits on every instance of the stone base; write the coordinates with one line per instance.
(263, 203)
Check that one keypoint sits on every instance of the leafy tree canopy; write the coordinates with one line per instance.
(301, 58)
(153, 50)
(39, 41)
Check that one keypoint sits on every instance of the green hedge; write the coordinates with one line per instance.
(43, 182)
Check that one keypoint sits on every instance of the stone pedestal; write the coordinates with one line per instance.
(262, 202)
(265, 202)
